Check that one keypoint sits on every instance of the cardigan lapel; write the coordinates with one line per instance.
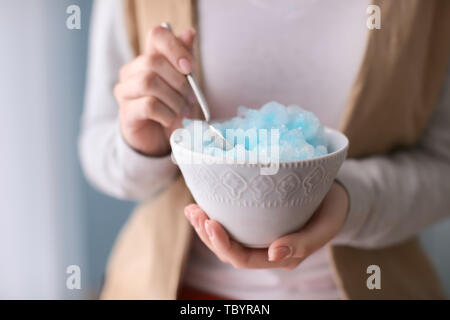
(150, 252)
(400, 77)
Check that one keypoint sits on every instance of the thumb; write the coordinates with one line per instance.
(188, 38)
(323, 226)
(316, 233)
(294, 245)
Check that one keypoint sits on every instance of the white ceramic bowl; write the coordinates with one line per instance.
(257, 209)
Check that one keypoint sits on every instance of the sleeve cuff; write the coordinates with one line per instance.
(350, 177)
(142, 171)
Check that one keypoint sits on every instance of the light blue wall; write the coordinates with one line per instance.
(50, 217)
(436, 241)
(102, 216)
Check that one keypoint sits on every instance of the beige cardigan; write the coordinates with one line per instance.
(398, 82)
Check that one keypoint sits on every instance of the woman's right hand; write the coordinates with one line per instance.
(153, 93)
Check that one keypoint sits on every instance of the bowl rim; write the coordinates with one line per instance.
(328, 130)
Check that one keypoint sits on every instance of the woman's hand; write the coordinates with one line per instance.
(153, 92)
(286, 252)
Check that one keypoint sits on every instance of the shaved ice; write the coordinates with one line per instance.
(295, 133)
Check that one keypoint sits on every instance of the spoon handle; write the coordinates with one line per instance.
(195, 87)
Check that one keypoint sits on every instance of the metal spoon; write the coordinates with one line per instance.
(217, 137)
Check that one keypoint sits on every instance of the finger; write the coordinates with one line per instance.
(188, 38)
(165, 42)
(316, 233)
(134, 67)
(177, 124)
(159, 64)
(149, 108)
(198, 217)
(151, 84)
(241, 257)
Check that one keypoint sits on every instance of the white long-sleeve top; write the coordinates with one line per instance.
(293, 52)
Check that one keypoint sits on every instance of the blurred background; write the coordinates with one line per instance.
(50, 218)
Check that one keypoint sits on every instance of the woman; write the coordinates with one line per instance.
(311, 53)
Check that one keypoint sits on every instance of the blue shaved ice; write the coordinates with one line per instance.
(301, 135)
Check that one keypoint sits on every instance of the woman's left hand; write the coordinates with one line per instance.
(286, 252)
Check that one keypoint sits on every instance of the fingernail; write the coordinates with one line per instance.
(208, 229)
(185, 65)
(279, 253)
